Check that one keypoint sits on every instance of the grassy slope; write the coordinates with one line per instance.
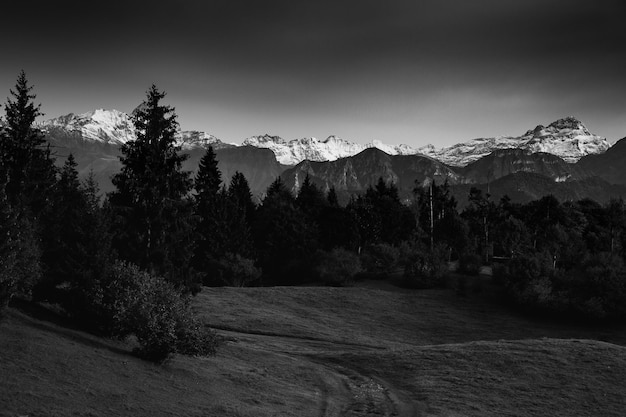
(313, 351)
(48, 370)
(547, 377)
(380, 317)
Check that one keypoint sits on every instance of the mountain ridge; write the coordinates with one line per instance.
(567, 138)
(95, 139)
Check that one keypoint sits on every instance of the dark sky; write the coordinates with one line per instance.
(413, 72)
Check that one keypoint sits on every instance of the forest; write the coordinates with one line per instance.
(130, 261)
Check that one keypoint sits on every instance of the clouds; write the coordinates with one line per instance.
(366, 68)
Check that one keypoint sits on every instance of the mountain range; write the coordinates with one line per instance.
(567, 138)
(563, 158)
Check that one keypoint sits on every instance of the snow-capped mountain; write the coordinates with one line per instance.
(567, 138)
(109, 126)
(332, 148)
(116, 127)
(190, 139)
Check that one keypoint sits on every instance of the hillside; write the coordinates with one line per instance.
(325, 351)
(501, 163)
(95, 139)
(354, 174)
(523, 187)
(609, 165)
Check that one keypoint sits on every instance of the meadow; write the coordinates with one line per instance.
(371, 349)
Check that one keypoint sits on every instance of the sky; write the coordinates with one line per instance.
(413, 72)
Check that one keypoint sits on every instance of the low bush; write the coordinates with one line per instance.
(338, 267)
(380, 259)
(470, 264)
(20, 256)
(594, 289)
(131, 301)
(427, 268)
(237, 271)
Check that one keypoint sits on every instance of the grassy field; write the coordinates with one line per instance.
(374, 349)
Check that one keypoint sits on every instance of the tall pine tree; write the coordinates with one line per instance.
(153, 226)
(210, 208)
(239, 192)
(29, 168)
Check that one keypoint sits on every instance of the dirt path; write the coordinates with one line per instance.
(342, 390)
(362, 395)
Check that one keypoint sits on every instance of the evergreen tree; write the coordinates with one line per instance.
(338, 228)
(310, 198)
(209, 178)
(19, 252)
(509, 233)
(331, 197)
(154, 220)
(63, 237)
(285, 241)
(211, 210)
(8, 251)
(75, 241)
(239, 192)
(242, 215)
(29, 168)
(480, 214)
(435, 206)
(616, 214)
(381, 215)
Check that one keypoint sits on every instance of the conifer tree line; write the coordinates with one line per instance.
(164, 233)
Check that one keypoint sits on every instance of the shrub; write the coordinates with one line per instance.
(237, 271)
(338, 267)
(470, 264)
(20, 256)
(131, 301)
(380, 258)
(600, 290)
(427, 269)
(594, 289)
(499, 272)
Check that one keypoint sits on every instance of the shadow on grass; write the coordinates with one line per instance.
(48, 320)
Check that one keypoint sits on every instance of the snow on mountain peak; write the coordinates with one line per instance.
(113, 126)
(190, 139)
(99, 125)
(567, 138)
(309, 148)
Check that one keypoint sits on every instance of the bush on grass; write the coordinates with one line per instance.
(131, 301)
(427, 268)
(20, 267)
(470, 263)
(237, 271)
(338, 267)
(595, 289)
(380, 259)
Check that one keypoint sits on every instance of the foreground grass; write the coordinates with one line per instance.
(326, 351)
(546, 377)
(387, 317)
(48, 370)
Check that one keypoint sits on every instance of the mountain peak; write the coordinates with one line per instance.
(114, 126)
(567, 138)
(261, 139)
(569, 122)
